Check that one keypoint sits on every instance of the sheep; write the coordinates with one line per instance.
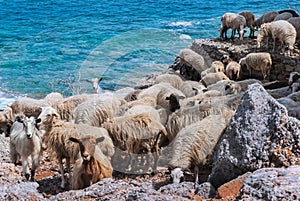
(195, 144)
(53, 98)
(95, 84)
(281, 30)
(173, 79)
(258, 61)
(226, 87)
(283, 16)
(294, 78)
(233, 21)
(92, 166)
(212, 78)
(124, 92)
(295, 21)
(250, 19)
(192, 59)
(25, 141)
(216, 66)
(265, 18)
(6, 121)
(189, 115)
(191, 88)
(95, 111)
(165, 95)
(136, 134)
(139, 109)
(233, 70)
(28, 106)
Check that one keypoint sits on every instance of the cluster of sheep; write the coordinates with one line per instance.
(283, 26)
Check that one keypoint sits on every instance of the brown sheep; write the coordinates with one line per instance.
(89, 168)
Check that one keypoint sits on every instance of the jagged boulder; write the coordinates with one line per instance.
(259, 135)
(272, 184)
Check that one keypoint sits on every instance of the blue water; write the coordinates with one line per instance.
(54, 45)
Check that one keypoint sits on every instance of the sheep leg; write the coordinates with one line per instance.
(25, 167)
(62, 172)
(196, 174)
(274, 44)
(35, 164)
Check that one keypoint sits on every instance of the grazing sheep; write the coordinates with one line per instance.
(189, 115)
(136, 134)
(195, 144)
(192, 59)
(173, 79)
(212, 78)
(191, 88)
(265, 18)
(233, 70)
(95, 111)
(216, 66)
(295, 21)
(232, 21)
(281, 30)
(258, 61)
(6, 121)
(250, 19)
(28, 106)
(90, 168)
(25, 141)
(95, 84)
(283, 16)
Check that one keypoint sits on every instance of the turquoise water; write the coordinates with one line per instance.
(55, 45)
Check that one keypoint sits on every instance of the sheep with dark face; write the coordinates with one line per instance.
(93, 165)
(25, 142)
(294, 81)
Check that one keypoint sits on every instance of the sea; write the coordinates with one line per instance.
(55, 45)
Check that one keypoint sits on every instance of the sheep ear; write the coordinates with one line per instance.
(88, 80)
(38, 121)
(19, 119)
(73, 139)
(168, 98)
(100, 139)
(99, 79)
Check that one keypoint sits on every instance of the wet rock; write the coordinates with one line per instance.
(260, 134)
(272, 184)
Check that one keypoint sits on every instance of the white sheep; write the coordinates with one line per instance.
(95, 111)
(192, 59)
(136, 134)
(233, 70)
(212, 78)
(28, 106)
(250, 19)
(265, 18)
(295, 21)
(140, 109)
(260, 61)
(92, 166)
(281, 30)
(283, 16)
(95, 84)
(216, 66)
(53, 98)
(191, 88)
(226, 87)
(25, 142)
(232, 21)
(173, 79)
(189, 115)
(195, 144)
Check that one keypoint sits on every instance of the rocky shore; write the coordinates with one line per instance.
(257, 158)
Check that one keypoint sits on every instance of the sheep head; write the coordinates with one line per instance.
(294, 76)
(174, 102)
(177, 174)
(87, 146)
(29, 125)
(95, 83)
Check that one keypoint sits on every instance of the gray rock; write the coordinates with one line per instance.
(20, 191)
(272, 184)
(206, 190)
(183, 189)
(260, 134)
